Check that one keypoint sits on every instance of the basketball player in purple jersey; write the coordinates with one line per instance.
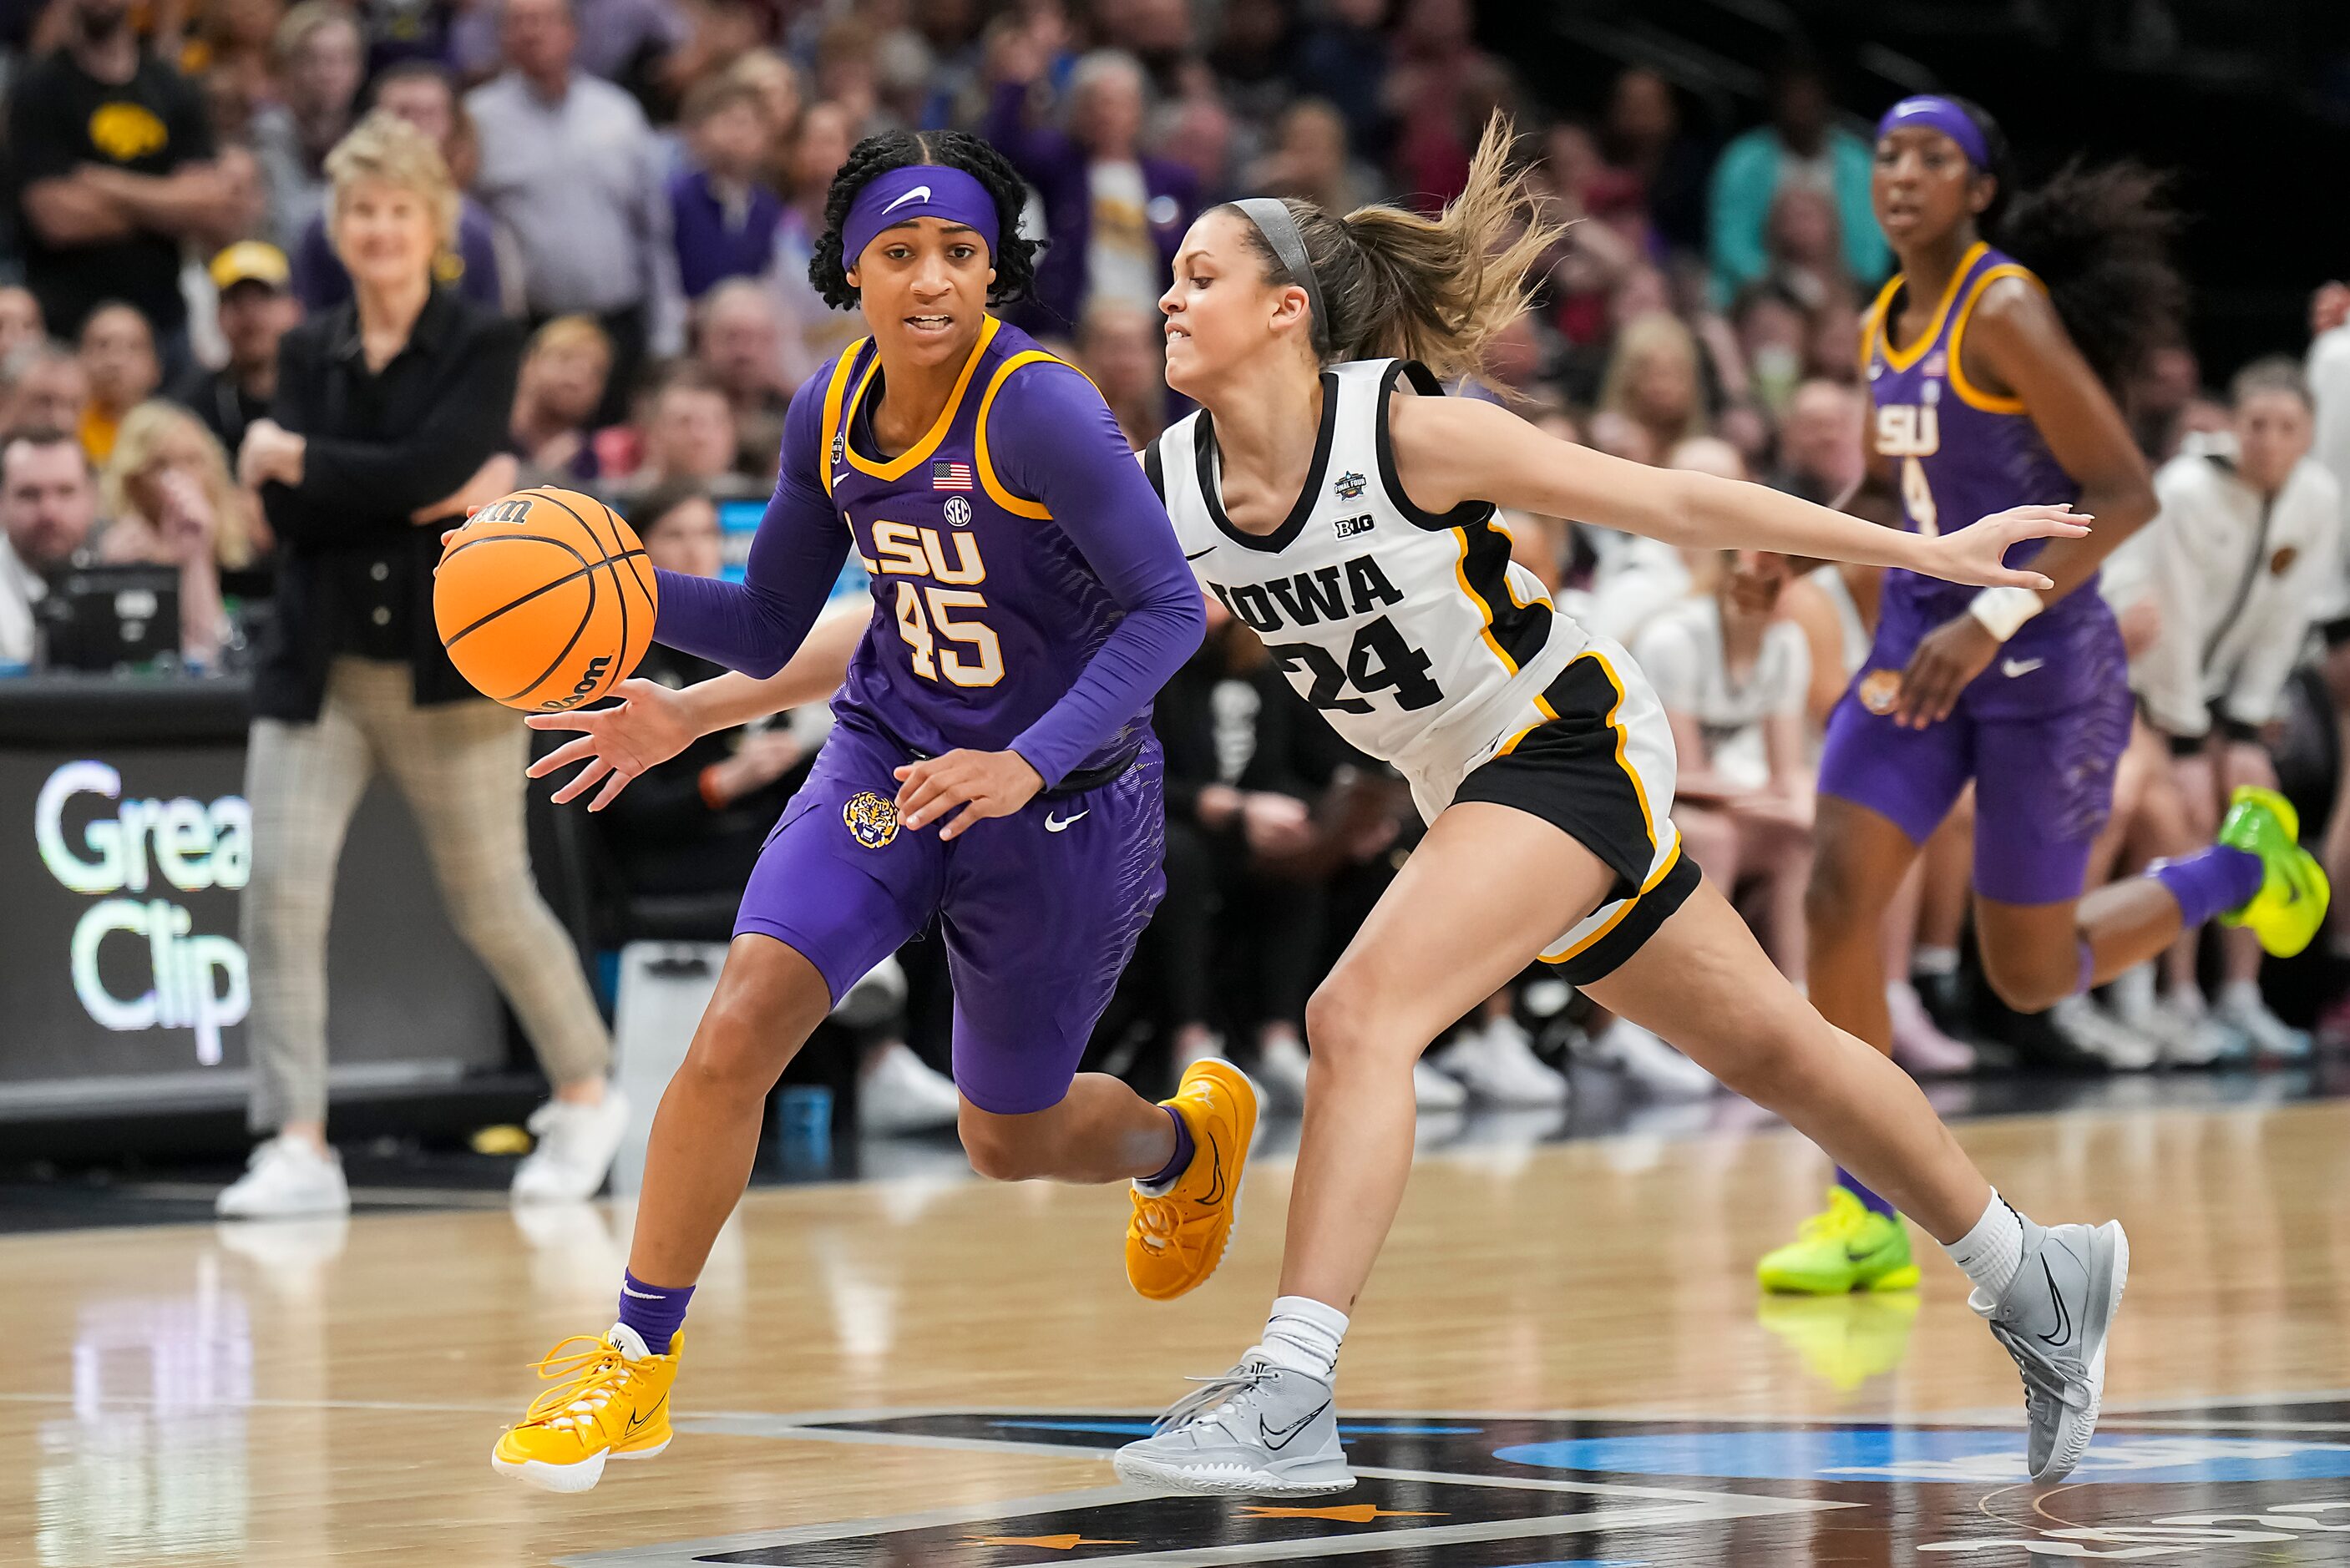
(1991, 379)
(993, 766)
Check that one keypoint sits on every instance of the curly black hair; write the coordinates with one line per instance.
(2101, 239)
(1016, 256)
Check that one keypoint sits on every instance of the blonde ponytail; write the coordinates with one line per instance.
(1397, 284)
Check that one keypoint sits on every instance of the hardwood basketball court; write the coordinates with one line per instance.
(1562, 1360)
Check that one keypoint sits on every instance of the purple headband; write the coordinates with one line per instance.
(915, 191)
(1939, 114)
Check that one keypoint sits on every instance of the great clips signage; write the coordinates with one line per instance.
(152, 947)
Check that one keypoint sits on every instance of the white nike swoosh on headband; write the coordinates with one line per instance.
(919, 193)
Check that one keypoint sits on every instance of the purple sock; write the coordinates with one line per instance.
(1870, 1200)
(1182, 1158)
(2209, 881)
(655, 1312)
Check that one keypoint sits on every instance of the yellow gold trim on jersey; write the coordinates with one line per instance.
(1968, 394)
(1902, 359)
(1016, 505)
(1485, 609)
(1511, 743)
(903, 464)
(833, 394)
(1873, 323)
(1560, 955)
(1623, 740)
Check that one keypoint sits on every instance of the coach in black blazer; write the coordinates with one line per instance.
(390, 420)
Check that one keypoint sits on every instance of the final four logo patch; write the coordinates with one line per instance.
(873, 820)
(1348, 485)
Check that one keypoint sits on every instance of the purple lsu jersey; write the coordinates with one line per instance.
(2039, 734)
(1960, 454)
(984, 612)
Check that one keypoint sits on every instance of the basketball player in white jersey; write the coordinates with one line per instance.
(1345, 509)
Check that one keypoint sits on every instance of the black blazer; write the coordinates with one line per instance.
(356, 574)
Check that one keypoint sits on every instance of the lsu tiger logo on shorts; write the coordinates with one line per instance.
(873, 820)
(1879, 690)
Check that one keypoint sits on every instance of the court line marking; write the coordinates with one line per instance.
(1661, 1510)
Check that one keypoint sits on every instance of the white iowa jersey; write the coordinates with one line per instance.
(1411, 630)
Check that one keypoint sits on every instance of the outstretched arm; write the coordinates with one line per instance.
(756, 625)
(651, 723)
(1453, 450)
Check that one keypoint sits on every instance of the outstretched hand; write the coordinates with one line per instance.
(644, 730)
(1975, 555)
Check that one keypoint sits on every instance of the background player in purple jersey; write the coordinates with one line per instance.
(993, 767)
(1990, 373)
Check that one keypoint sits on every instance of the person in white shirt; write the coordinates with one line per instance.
(2245, 556)
(1733, 678)
(2329, 386)
(49, 513)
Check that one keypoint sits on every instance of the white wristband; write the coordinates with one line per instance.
(2004, 611)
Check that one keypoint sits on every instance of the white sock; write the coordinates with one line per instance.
(1924, 960)
(1304, 1335)
(1994, 1251)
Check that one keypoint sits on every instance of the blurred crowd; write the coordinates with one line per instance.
(640, 182)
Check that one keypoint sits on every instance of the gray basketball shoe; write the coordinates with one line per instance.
(1260, 1430)
(2054, 1319)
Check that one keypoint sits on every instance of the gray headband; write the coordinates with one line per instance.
(1271, 216)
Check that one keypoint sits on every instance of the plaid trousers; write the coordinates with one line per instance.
(459, 767)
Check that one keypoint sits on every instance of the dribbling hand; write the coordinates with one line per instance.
(1975, 554)
(647, 728)
(984, 784)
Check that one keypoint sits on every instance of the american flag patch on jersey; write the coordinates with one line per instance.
(949, 476)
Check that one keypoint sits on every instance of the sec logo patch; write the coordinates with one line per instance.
(1879, 690)
(873, 820)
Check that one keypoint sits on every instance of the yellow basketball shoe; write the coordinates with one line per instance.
(2289, 909)
(1176, 1239)
(614, 1401)
(1849, 1247)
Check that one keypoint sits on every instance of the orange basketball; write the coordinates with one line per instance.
(544, 599)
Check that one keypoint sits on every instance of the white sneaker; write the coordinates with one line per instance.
(1497, 1065)
(2181, 1027)
(2123, 1049)
(875, 1000)
(1641, 1056)
(576, 1146)
(1280, 1071)
(900, 1092)
(2241, 1007)
(285, 1178)
(1432, 1091)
